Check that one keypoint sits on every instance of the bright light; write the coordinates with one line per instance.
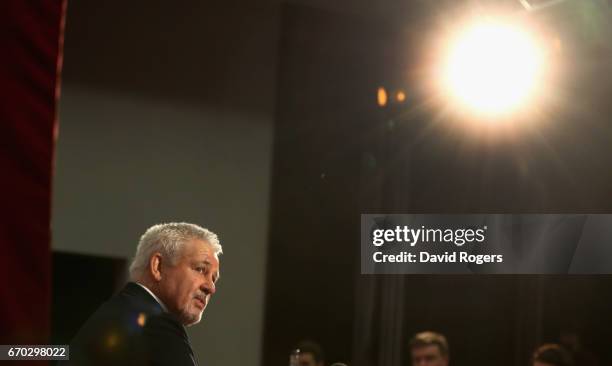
(381, 97)
(400, 96)
(492, 68)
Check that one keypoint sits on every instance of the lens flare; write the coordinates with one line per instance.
(381, 97)
(492, 68)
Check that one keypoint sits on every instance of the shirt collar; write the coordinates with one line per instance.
(155, 297)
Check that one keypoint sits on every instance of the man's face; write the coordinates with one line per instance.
(186, 287)
(428, 356)
(307, 359)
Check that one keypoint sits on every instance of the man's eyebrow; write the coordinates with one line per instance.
(207, 263)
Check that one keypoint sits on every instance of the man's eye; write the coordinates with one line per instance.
(200, 269)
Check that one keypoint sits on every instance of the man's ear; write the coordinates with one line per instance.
(155, 266)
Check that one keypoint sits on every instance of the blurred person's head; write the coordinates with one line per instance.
(429, 349)
(179, 263)
(552, 355)
(311, 353)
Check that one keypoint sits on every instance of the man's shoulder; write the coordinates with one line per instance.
(129, 308)
(128, 304)
(133, 297)
(127, 327)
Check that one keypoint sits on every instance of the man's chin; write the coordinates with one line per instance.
(189, 319)
(190, 324)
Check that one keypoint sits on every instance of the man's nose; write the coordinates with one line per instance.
(208, 287)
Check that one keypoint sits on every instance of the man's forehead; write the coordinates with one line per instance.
(195, 246)
(200, 250)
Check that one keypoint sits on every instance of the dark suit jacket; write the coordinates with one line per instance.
(131, 329)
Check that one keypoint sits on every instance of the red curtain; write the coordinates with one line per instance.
(31, 34)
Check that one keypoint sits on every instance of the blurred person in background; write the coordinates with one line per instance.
(429, 349)
(552, 355)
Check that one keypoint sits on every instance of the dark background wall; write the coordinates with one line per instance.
(166, 114)
(70, 308)
(338, 155)
(314, 204)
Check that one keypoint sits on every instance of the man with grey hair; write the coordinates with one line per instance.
(172, 278)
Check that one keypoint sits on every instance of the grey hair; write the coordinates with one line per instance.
(169, 239)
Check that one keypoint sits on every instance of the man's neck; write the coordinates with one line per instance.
(163, 306)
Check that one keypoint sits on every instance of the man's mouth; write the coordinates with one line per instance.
(201, 303)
